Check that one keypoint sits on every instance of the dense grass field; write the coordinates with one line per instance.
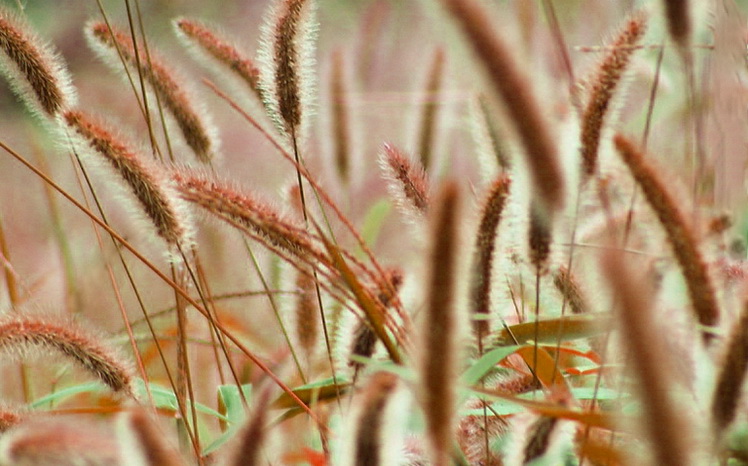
(474, 232)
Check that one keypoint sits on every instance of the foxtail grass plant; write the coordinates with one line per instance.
(373, 233)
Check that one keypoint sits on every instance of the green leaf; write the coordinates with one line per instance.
(232, 400)
(52, 398)
(373, 222)
(478, 370)
(164, 398)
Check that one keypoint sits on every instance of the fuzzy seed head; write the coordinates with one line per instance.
(152, 190)
(20, 335)
(603, 85)
(35, 71)
(172, 92)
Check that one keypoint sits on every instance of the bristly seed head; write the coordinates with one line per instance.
(35, 71)
(679, 233)
(146, 181)
(287, 56)
(485, 245)
(221, 50)
(407, 181)
(192, 121)
(603, 85)
(19, 335)
(439, 325)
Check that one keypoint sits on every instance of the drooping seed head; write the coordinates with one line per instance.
(199, 36)
(22, 335)
(513, 87)
(679, 233)
(170, 90)
(33, 68)
(146, 181)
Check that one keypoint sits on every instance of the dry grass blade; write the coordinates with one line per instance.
(171, 92)
(523, 108)
(35, 71)
(549, 331)
(679, 233)
(20, 336)
(375, 312)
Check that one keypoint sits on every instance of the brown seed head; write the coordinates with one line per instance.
(144, 180)
(521, 105)
(368, 439)
(679, 233)
(485, 245)
(732, 374)
(19, 335)
(408, 182)
(439, 326)
(35, 72)
(221, 50)
(171, 92)
(603, 85)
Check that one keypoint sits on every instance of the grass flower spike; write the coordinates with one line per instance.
(33, 68)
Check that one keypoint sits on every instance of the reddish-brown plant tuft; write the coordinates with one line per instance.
(567, 284)
(35, 72)
(408, 182)
(439, 332)
(171, 93)
(603, 85)
(220, 50)
(514, 89)
(240, 209)
(150, 440)
(252, 437)
(731, 376)
(667, 431)
(483, 254)
(539, 438)
(146, 181)
(678, 19)
(20, 335)
(679, 233)
(368, 448)
(306, 312)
